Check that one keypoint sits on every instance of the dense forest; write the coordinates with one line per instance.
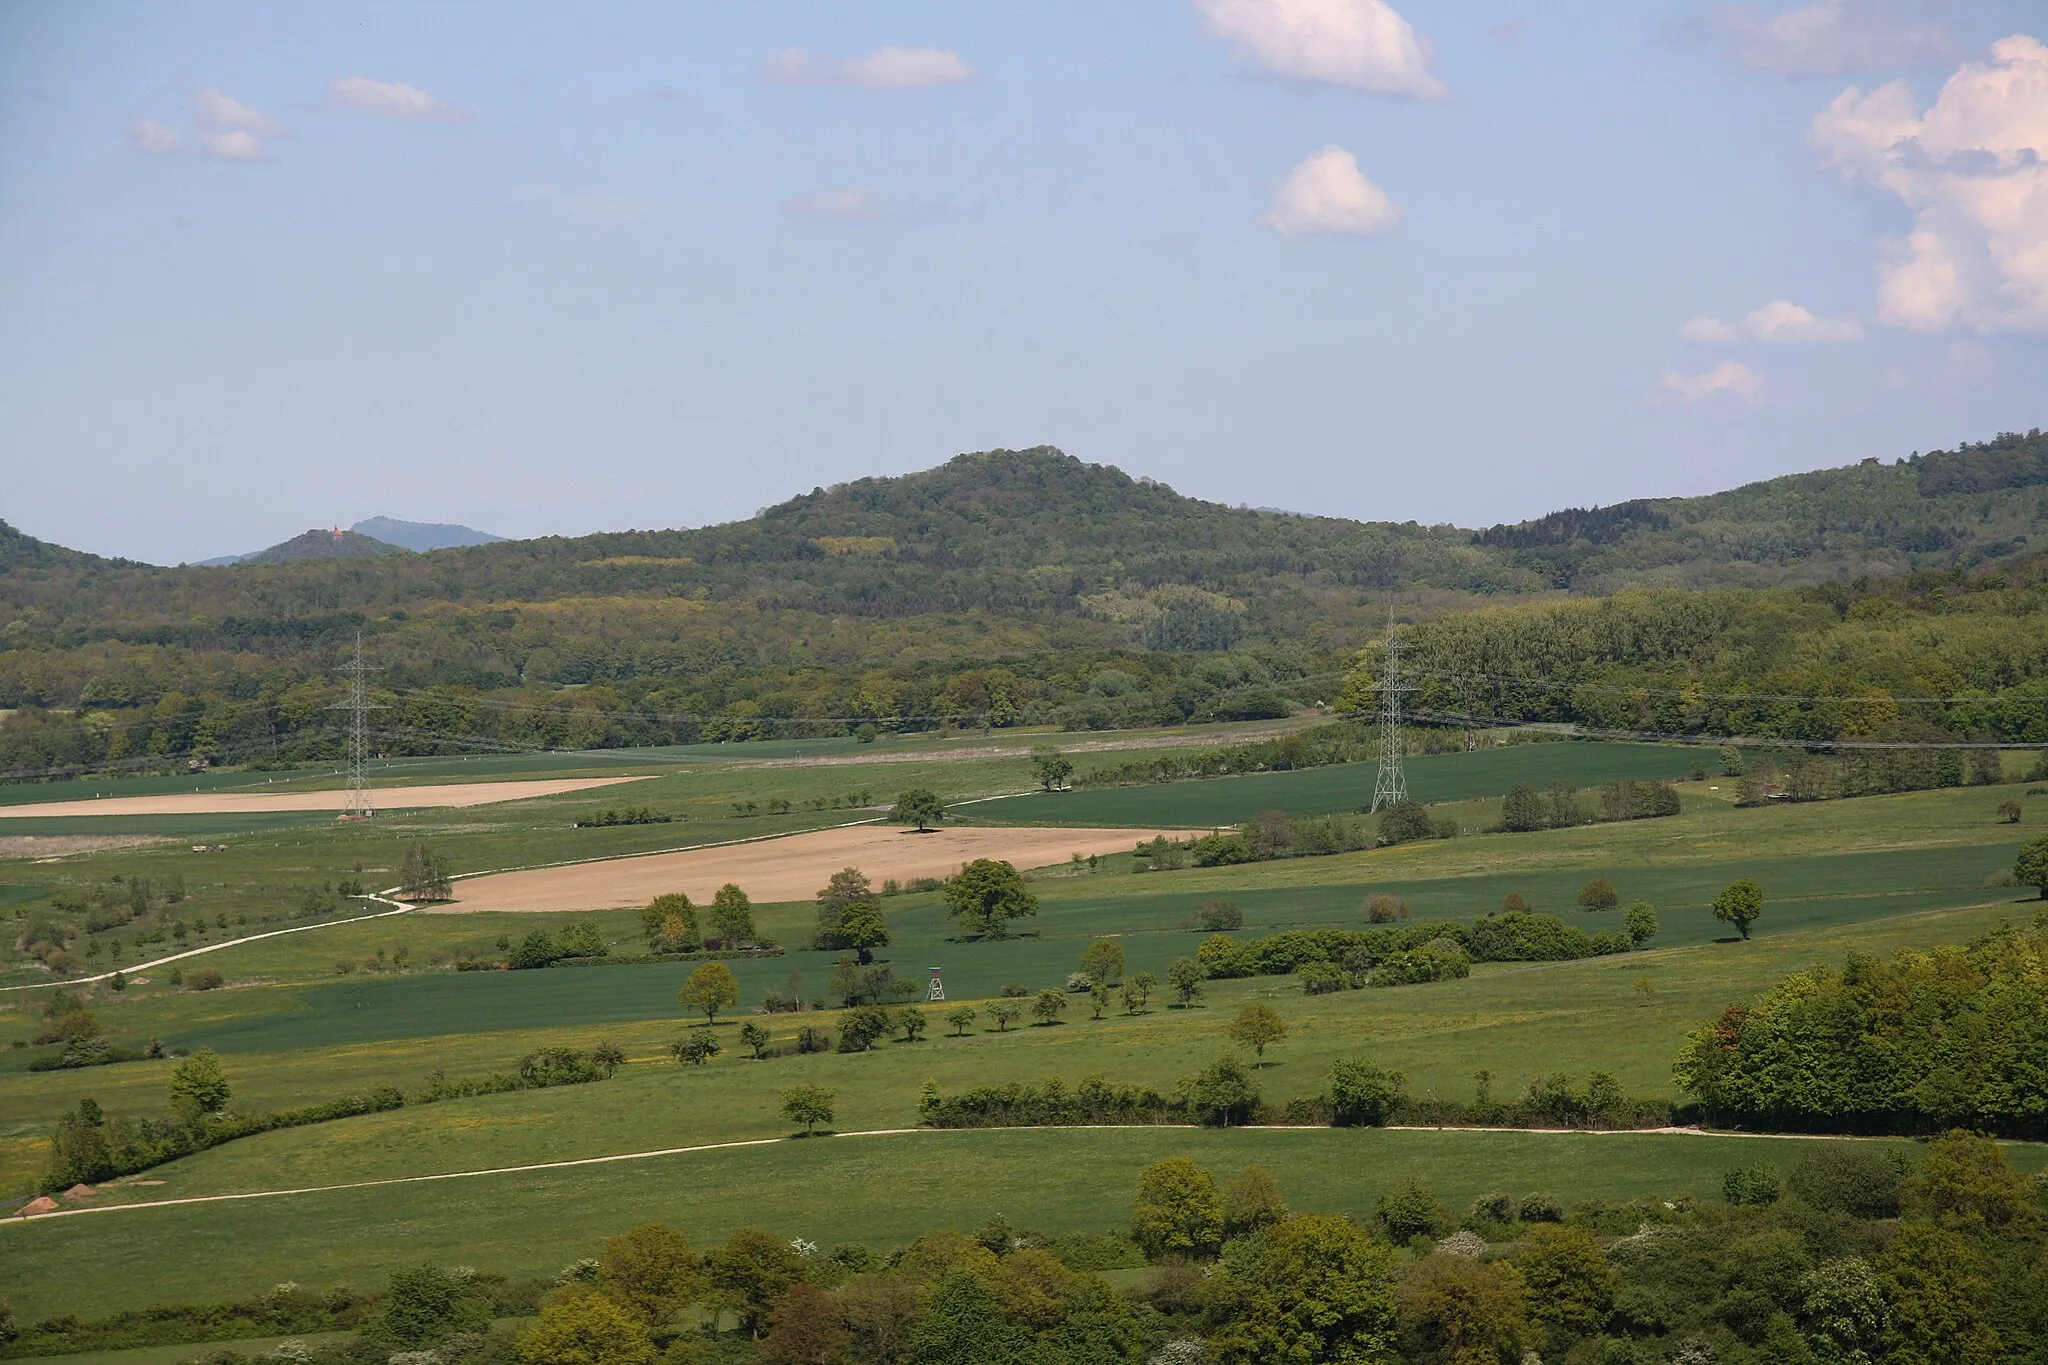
(1016, 587)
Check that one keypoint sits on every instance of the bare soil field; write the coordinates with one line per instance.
(791, 868)
(64, 845)
(393, 798)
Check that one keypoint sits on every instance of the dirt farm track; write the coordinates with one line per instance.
(385, 798)
(787, 869)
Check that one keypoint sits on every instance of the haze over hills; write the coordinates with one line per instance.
(423, 535)
(387, 531)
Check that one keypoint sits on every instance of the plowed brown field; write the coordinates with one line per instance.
(787, 869)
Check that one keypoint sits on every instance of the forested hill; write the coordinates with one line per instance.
(1962, 507)
(1000, 588)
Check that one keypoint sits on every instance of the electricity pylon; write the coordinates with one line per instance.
(1391, 787)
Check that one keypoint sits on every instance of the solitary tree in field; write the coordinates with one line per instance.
(1598, 894)
(1052, 766)
(960, 1018)
(809, 1105)
(1185, 975)
(919, 806)
(1005, 1013)
(986, 894)
(1257, 1026)
(1740, 903)
(711, 988)
(2031, 867)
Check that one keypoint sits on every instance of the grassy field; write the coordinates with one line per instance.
(880, 1191)
(1874, 874)
(1432, 779)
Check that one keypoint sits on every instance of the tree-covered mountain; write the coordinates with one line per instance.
(318, 544)
(1967, 506)
(423, 535)
(1006, 587)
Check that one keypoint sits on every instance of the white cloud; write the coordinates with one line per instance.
(1329, 194)
(1776, 321)
(147, 135)
(1832, 37)
(235, 144)
(1364, 44)
(593, 208)
(1708, 329)
(227, 130)
(391, 99)
(1779, 321)
(851, 201)
(1973, 168)
(886, 68)
(225, 113)
(1728, 377)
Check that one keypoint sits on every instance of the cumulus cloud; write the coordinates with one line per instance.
(147, 135)
(225, 113)
(1973, 168)
(1831, 37)
(1364, 44)
(225, 130)
(1329, 194)
(886, 68)
(1729, 377)
(391, 99)
(232, 144)
(1776, 321)
(851, 201)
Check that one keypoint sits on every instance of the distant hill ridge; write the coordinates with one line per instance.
(318, 544)
(1037, 530)
(423, 535)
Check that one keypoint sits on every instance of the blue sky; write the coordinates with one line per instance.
(551, 269)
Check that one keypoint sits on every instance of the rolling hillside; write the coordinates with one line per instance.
(1002, 588)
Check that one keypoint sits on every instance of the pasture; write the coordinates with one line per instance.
(346, 1007)
(880, 1191)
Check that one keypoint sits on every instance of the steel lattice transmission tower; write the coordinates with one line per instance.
(1391, 787)
(358, 707)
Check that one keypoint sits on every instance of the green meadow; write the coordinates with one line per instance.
(340, 1008)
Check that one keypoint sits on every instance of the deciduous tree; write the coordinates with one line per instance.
(986, 894)
(1178, 1210)
(1740, 903)
(807, 1104)
(1258, 1026)
(711, 988)
(652, 1272)
(732, 917)
(199, 1085)
(919, 806)
(1315, 1288)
